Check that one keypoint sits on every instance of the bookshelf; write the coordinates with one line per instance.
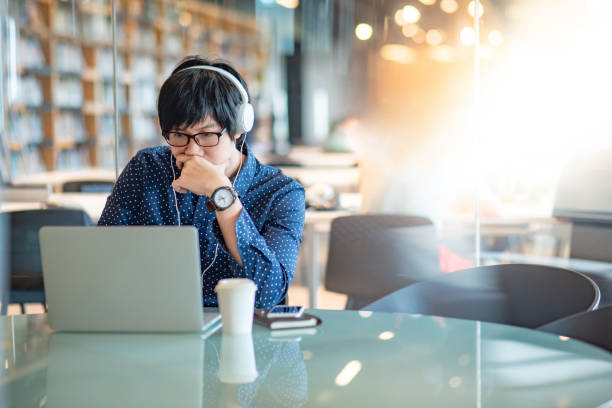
(60, 84)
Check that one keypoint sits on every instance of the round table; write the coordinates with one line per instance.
(354, 359)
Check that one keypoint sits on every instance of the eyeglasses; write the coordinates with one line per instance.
(207, 139)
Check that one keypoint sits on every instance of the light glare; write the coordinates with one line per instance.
(350, 370)
(290, 4)
(409, 30)
(427, 2)
(442, 53)
(387, 335)
(472, 8)
(399, 17)
(449, 6)
(411, 14)
(397, 53)
(364, 31)
(467, 36)
(434, 37)
(455, 382)
(419, 37)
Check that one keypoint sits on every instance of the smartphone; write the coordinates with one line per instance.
(285, 311)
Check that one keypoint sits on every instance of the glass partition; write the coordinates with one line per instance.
(544, 138)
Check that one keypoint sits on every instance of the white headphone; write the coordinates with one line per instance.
(245, 115)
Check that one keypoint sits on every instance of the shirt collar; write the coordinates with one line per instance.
(246, 174)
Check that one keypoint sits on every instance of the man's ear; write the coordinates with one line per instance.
(237, 139)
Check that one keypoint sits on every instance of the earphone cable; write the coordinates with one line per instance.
(178, 214)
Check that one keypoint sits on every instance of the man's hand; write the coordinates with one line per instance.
(199, 176)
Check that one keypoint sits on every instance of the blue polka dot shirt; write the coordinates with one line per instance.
(269, 228)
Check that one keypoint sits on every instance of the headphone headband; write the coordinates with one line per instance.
(235, 81)
(246, 114)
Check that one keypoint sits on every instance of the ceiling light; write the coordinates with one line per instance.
(364, 31)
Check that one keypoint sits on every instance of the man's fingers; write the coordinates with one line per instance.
(176, 185)
(181, 159)
(179, 163)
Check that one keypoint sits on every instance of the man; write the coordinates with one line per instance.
(249, 216)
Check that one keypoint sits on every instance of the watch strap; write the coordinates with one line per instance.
(211, 206)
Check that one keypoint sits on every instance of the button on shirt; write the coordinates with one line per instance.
(269, 228)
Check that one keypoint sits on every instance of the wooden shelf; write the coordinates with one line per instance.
(142, 112)
(98, 44)
(110, 143)
(134, 22)
(64, 108)
(66, 38)
(19, 146)
(70, 74)
(22, 108)
(34, 71)
(39, 32)
(70, 144)
(94, 8)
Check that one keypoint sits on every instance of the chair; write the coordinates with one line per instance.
(88, 186)
(592, 327)
(584, 197)
(515, 294)
(26, 283)
(372, 255)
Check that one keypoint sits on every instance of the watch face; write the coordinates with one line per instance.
(223, 198)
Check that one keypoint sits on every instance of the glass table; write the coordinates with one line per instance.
(354, 359)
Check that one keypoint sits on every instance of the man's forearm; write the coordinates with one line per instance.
(227, 223)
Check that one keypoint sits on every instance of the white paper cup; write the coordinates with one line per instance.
(237, 364)
(236, 304)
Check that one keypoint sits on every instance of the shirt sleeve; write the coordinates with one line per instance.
(123, 204)
(269, 256)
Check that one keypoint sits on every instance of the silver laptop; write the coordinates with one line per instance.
(124, 279)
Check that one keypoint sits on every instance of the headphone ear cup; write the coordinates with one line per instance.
(246, 117)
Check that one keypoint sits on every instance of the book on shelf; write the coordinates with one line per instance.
(306, 320)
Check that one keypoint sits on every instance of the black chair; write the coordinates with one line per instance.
(583, 197)
(26, 282)
(515, 294)
(594, 327)
(372, 255)
(88, 186)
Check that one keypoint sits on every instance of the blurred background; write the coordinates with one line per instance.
(493, 121)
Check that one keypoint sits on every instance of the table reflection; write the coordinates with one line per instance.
(106, 370)
(161, 370)
(281, 380)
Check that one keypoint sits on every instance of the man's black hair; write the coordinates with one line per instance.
(188, 97)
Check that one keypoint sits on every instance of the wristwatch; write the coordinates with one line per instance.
(222, 198)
